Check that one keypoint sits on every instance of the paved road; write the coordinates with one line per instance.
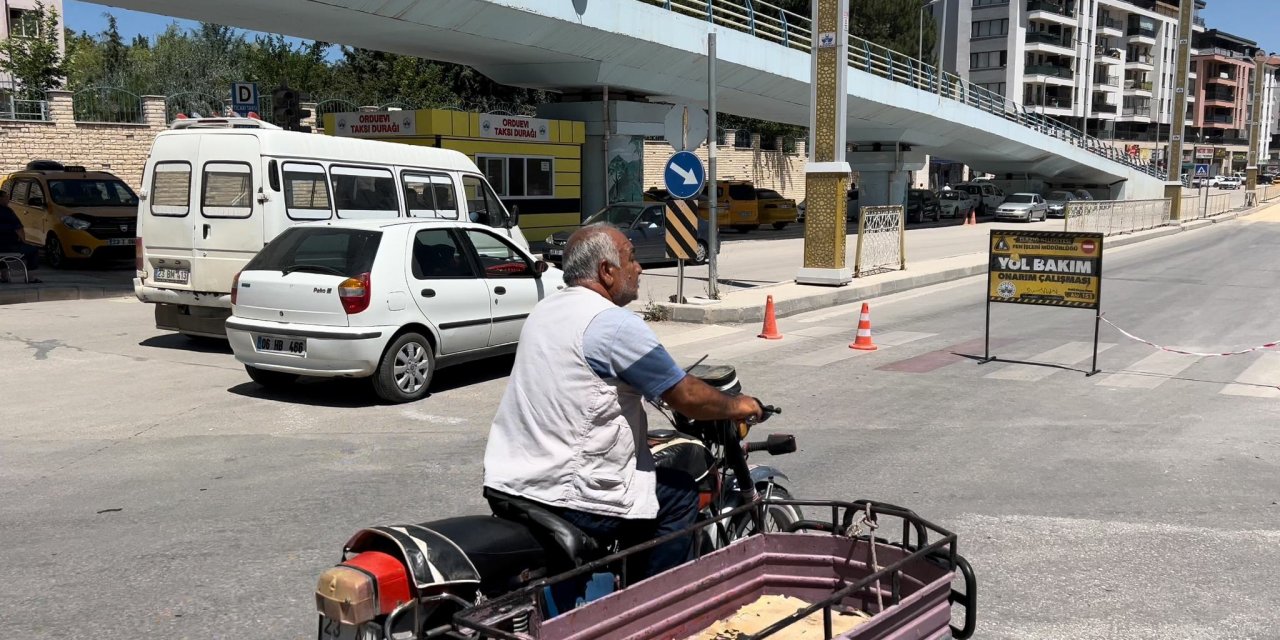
(149, 489)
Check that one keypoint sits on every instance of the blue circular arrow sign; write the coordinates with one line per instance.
(684, 175)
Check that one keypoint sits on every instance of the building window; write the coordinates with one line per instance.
(989, 3)
(517, 177)
(994, 87)
(988, 60)
(23, 23)
(990, 28)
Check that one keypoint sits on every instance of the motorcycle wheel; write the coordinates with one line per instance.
(776, 517)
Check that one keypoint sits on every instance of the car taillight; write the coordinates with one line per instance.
(235, 286)
(137, 255)
(354, 293)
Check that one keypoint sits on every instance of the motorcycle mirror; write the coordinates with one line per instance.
(779, 443)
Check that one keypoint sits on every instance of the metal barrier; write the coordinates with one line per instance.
(792, 30)
(107, 104)
(881, 240)
(1270, 192)
(17, 104)
(1111, 217)
(1216, 205)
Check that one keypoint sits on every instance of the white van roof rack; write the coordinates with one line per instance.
(221, 123)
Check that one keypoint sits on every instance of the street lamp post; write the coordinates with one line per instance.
(1255, 124)
(943, 21)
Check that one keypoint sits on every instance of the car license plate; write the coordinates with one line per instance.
(122, 242)
(176, 276)
(555, 252)
(281, 345)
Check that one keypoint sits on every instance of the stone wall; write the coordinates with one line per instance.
(777, 170)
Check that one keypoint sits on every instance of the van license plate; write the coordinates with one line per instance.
(281, 345)
(122, 242)
(176, 276)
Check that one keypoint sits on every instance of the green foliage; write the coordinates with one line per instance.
(32, 57)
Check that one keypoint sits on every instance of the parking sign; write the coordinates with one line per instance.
(244, 97)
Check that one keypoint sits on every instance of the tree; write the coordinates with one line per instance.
(32, 56)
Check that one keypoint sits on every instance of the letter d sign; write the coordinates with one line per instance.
(244, 93)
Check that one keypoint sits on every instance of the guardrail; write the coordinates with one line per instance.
(1206, 205)
(881, 240)
(1270, 192)
(792, 30)
(1111, 217)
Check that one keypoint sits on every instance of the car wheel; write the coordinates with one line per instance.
(405, 372)
(701, 256)
(742, 228)
(779, 225)
(270, 379)
(53, 252)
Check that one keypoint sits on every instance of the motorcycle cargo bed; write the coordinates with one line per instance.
(684, 601)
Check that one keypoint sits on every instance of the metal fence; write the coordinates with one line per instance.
(792, 30)
(190, 103)
(881, 240)
(1269, 192)
(1111, 217)
(106, 104)
(16, 104)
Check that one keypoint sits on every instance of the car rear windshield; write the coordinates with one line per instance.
(1021, 198)
(92, 193)
(346, 252)
(742, 192)
(768, 194)
(949, 195)
(1058, 195)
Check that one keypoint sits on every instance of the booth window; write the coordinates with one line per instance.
(519, 177)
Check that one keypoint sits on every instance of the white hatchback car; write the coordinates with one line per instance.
(387, 299)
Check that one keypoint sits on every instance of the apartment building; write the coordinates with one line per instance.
(20, 22)
(1104, 66)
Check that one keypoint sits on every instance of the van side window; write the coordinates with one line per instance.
(306, 192)
(36, 196)
(429, 195)
(228, 190)
(436, 254)
(19, 195)
(171, 189)
(482, 206)
(360, 192)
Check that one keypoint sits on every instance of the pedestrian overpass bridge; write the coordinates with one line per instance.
(654, 51)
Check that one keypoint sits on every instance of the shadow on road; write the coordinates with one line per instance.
(179, 342)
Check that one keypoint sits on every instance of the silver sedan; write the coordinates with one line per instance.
(1027, 207)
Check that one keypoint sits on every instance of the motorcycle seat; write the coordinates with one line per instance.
(578, 547)
(503, 552)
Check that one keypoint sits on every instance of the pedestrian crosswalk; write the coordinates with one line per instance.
(1125, 366)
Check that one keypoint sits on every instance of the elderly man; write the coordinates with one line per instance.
(570, 432)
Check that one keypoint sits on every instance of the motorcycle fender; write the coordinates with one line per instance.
(763, 473)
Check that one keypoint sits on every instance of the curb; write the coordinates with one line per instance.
(711, 314)
(51, 293)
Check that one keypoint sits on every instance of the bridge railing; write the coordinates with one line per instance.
(792, 30)
(1111, 217)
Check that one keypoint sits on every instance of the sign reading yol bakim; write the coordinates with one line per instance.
(375, 124)
(1055, 268)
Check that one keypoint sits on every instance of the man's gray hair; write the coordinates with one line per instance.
(586, 249)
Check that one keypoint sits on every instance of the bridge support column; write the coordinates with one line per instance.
(614, 145)
(885, 176)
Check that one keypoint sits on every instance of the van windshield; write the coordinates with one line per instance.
(344, 252)
(92, 193)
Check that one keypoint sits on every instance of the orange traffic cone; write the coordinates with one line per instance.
(863, 341)
(770, 331)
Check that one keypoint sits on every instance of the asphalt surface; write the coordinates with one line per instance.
(148, 489)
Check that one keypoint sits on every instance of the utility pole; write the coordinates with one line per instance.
(713, 217)
(1178, 124)
(1255, 123)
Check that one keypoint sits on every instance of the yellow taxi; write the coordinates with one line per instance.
(73, 213)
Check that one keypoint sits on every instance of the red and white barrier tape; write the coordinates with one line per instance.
(1269, 345)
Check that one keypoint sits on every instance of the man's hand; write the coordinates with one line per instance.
(701, 401)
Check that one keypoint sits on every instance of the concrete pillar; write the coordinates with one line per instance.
(153, 112)
(885, 176)
(624, 128)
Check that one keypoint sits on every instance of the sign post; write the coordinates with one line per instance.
(684, 177)
(681, 237)
(713, 216)
(1046, 268)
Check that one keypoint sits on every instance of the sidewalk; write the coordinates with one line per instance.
(747, 305)
(59, 284)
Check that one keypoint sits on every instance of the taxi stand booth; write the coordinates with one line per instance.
(532, 163)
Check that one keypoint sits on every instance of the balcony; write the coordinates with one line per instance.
(1137, 85)
(1103, 107)
(1051, 70)
(1051, 11)
(1220, 96)
(1044, 37)
(1136, 112)
(1142, 32)
(1107, 56)
(1140, 60)
(1110, 24)
(1199, 22)
(1219, 119)
(1107, 81)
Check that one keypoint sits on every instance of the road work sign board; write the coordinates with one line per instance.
(682, 229)
(1054, 268)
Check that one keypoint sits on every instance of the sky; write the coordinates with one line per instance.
(1252, 19)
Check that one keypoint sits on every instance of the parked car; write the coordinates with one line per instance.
(1231, 182)
(644, 224)
(989, 195)
(1082, 194)
(775, 210)
(1023, 206)
(73, 213)
(1057, 202)
(922, 205)
(391, 300)
(957, 203)
(1266, 179)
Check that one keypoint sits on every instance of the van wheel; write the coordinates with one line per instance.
(405, 372)
(742, 228)
(779, 225)
(270, 379)
(53, 252)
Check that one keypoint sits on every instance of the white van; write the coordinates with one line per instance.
(216, 190)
